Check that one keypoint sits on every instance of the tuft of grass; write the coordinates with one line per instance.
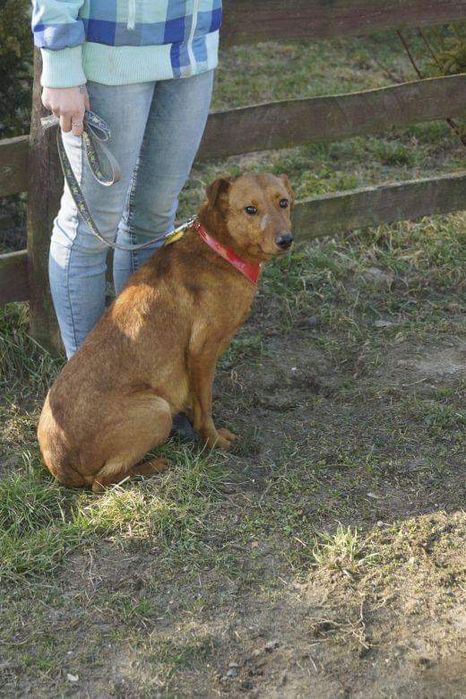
(24, 364)
(36, 529)
(169, 509)
(441, 418)
(450, 46)
(343, 550)
(242, 346)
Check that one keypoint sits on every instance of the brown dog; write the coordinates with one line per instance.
(155, 350)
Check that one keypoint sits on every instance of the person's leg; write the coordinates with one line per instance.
(176, 122)
(77, 261)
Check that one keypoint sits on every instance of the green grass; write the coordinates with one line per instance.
(41, 523)
(35, 531)
(23, 364)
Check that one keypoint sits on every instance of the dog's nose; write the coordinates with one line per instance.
(284, 241)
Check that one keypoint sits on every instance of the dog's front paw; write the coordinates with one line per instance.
(222, 440)
(226, 434)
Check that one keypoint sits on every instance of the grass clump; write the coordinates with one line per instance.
(36, 526)
(169, 509)
(344, 550)
(24, 365)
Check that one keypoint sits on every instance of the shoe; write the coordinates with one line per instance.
(183, 430)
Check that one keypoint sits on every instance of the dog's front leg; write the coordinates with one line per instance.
(202, 370)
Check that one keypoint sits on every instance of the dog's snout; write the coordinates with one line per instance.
(284, 241)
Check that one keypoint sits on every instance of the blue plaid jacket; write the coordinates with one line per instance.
(125, 41)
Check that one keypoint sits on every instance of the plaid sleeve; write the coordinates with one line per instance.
(59, 33)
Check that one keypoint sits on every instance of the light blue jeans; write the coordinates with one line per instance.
(156, 131)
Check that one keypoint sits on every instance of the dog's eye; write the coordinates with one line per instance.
(284, 203)
(251, 210)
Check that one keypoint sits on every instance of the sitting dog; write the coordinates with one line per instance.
(154, 352)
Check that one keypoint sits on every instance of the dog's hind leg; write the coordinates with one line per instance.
(147, 423)
(148, 468)
(115, 472)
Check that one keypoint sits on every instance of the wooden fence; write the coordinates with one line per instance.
(30, 164)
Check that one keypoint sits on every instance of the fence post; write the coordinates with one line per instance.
(45, 187)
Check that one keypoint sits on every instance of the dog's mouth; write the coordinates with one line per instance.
(283, 251)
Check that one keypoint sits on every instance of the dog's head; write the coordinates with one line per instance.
(252, 214)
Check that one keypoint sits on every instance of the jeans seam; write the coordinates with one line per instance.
(132, 237)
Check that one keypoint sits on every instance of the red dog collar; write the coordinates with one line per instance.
(250, 270)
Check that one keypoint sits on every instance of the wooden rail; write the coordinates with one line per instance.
(330, 214)
(249, 21)
(296, 122)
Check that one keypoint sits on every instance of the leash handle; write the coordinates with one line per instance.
(96, 129)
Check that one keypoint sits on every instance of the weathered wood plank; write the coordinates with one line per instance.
(295, 122)
(13, 165)
(249, 21)
(14, 282)
(44, 190)
(372, 206)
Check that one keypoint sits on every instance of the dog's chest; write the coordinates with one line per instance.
(237, 310)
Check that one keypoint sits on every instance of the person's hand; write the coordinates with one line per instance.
(69, 104)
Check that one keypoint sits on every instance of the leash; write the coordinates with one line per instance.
(96, 129)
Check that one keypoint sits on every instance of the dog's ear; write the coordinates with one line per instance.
(220, 186)
(286, 181)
